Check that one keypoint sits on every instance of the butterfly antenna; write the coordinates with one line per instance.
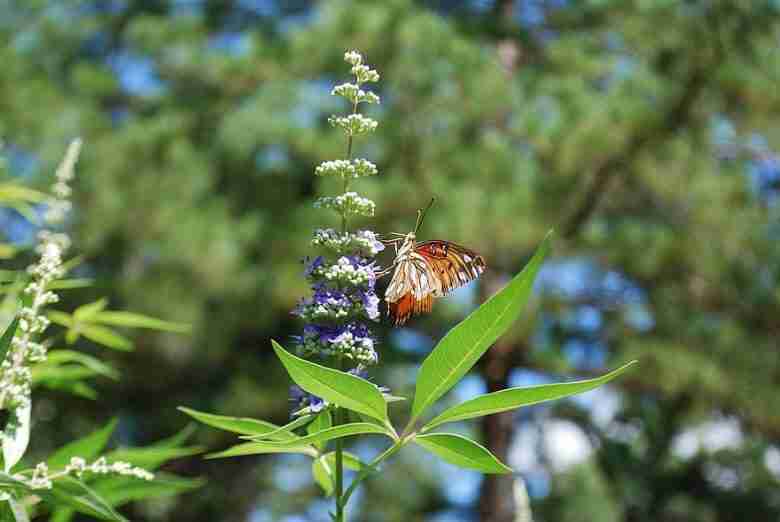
(421, 215)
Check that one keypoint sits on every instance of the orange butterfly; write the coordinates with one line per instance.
(426, 270)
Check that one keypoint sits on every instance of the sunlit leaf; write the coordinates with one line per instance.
(257, 448)
(134, 320)
(15, 441)
(462, 452)
(8, 335)
(242, 425)
(334, 386)
(106, 337)
(512, 398)
(336, 432)
(85, 313)
(464, 344)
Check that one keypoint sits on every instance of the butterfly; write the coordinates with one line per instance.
(426, 270)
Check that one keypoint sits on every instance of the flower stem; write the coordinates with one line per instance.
(339, 471)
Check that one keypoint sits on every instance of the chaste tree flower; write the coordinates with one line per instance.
(343, 303)
(26, 348)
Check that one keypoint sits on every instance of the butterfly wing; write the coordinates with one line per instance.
(431, 269)
(451, 265)
(411, 289)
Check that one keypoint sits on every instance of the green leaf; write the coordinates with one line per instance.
(321, 422)
(15, 442)
(461, 451)
(69, 284)
(7, 481)
(336, 432)
(464, 344)
(150, 458)
(118, 491)
(289, 427)
(512, 398)
(60, 318)
(322, 472)
(80, 497)
(242, 425)
(322, 469)
(85, 313)
(58, 357)
(256, 448)
(133, 320)
(8, 335)
(87, 447)
(334, 386)
(106, 337)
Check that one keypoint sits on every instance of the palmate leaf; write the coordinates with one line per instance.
(336, 387)
(299, 422)
(241, 425)
(464, 344)
(321, 422)
(513, 398)
(462, 452)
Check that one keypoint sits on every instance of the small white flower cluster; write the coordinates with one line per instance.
(42, 478)
(357, 348)
(349, 203)
(365, 242)
(345, 169)
(345, 273)
(362, 72)
(354, 93)
(354, 124)
(15, 375)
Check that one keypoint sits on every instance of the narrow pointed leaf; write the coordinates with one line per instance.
(258, 448)
(336, 387)
(462, 452)
(8, 335)
(80, 497)
(464, 344)
(322, 471)
(242, 425)
(106, 337)
(321, 422)
(15, 442)
(289, 427)
(85, 313)
(336, 432)
(87, 447)
(513, 398)
(133, 320)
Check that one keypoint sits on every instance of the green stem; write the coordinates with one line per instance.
(370, 468)
(339, 471)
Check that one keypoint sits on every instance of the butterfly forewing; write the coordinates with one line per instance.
(426, 270)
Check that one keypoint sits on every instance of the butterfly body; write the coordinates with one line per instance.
(426, 270)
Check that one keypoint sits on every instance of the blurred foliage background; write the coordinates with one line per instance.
(642, 131)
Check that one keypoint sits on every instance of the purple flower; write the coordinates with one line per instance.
(303, 400)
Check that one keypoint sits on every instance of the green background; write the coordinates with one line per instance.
(642, 131)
